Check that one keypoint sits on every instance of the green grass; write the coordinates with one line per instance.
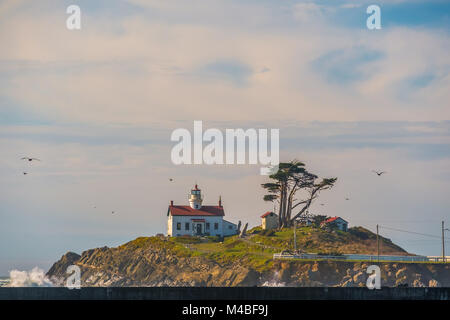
(146, 243)
(257, 249)
(234, 250)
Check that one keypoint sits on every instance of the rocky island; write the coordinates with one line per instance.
(235, 261)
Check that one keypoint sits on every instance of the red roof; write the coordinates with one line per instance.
(332, 219)
(203, 211)
(266, 214)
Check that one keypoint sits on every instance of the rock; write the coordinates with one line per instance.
(418, 283)
(400, 273)
(154, 262)
(283, 275)
(348, 283)
(57, 272)
(359, 277)
(401, 283)
(433, 283)
(315, 267)
(347, 278)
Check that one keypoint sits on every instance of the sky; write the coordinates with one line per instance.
(98, 106)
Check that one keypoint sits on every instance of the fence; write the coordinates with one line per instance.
(364, 257)
(438, 258)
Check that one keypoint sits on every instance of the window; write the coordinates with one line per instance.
(186, 226)
(178, 225)
(207, 226)
(216, 226)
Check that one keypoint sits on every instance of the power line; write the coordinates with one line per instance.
(393, 221)
(413, 232)
(420, 240)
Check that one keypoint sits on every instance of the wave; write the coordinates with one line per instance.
(34, 278)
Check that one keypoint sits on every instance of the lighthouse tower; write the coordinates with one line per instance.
(195, 198)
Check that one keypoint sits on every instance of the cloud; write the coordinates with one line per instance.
(350, 5)
(229, 70)
(99, 105)
(8, 6)
(307, 12)
(186, 68)
(347, 65)
(109, 168)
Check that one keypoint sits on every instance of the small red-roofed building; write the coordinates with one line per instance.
(197, 219)
(337, 222)
(269, 220)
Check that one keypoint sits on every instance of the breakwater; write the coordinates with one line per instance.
(223, 293)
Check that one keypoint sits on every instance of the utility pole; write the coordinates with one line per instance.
(295, 236)
(443, 243)
(378, 245)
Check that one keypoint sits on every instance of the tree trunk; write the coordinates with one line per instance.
(282, 205)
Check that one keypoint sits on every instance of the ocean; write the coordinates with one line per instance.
(4, 281)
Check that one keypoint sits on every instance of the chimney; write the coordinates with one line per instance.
(220, 201)
(171, 203)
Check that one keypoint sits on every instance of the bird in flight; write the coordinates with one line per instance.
(25, 173)
(170, 179)
(347, 199)
(30, 159)
(322, 204)
(379, 173)
(112, 212)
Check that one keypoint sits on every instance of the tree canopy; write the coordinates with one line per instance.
(295, 189)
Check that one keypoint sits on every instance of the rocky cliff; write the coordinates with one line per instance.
(193, 262)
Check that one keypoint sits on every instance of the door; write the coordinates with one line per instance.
(199, 229)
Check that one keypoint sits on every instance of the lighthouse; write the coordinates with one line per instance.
(197, 219)
(195, 198)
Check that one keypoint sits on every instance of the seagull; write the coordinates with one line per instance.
(170, 179)
(30, 159)
(322, 204)
(379, 173)
(25, 173)
(112, 212)
(347, 199)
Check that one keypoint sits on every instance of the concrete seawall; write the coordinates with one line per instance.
(222, 293)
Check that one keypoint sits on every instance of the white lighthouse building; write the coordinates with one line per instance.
(197, 219)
